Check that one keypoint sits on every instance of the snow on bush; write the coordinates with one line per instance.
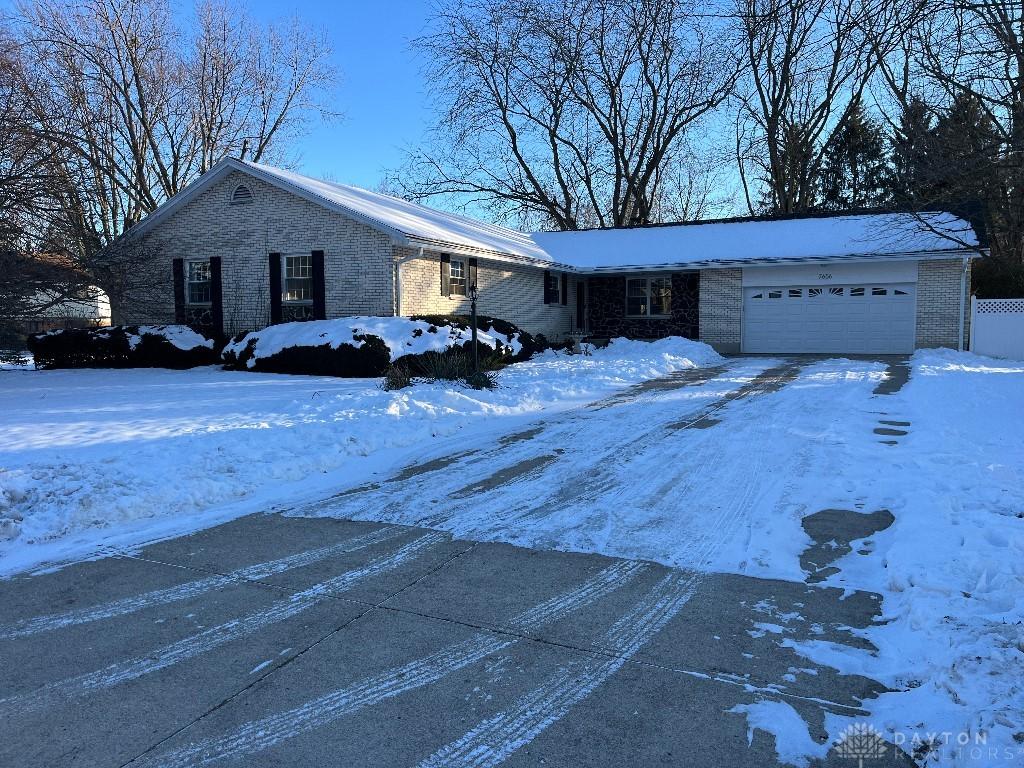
(358, 346)
(122, 346)
(112, 456)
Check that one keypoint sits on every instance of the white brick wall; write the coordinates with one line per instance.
(357, 258)
(508, 291)
(721, 308)
(938, 303)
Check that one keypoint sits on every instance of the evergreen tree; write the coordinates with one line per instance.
(856, 169)
(911, 178)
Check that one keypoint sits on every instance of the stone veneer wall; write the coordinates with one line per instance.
(606, 307)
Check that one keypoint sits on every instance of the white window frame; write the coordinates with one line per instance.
(649, 314)
(189, 282)
(459, 281)
(284, 279)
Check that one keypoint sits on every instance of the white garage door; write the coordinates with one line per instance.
(865, 319)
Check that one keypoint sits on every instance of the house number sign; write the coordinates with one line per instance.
(824, 275)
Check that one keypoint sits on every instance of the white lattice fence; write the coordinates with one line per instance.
(997, 327)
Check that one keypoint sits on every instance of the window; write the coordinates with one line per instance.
(241, 195)
(835, 291)
(898, 292)
(812, 292)
(774, 294)
(197, 282)
(298, 278)
(878, 292)
(757, 296)
(649, 296)
(796, 293)
(856, 291)
(457, 276)
(552, 288)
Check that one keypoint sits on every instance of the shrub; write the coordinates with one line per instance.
(367, 357)
(507, 333)
(123, 346)
(396, 377)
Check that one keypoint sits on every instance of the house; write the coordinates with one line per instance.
(248, 245)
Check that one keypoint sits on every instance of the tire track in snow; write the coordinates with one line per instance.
(210, 639)
(191, 589)
(392, 500)
(258, 735)
(492, 741)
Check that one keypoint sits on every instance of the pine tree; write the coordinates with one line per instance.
(856, 169)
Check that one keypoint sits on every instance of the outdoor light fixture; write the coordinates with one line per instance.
(473, 293)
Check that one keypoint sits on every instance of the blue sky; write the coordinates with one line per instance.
(381, 93)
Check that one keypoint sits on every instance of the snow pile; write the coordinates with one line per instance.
(402, 336)
(90, 457)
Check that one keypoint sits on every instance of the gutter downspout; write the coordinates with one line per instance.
(397, 284)
(963, 302)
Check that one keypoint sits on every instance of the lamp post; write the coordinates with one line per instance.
(472, 313)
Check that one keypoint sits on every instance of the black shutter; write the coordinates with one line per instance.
(216, 297)
(275, 288)
(446, 275)
(319, 288)
(471, 277)
(547, 290)
(565, 288)
(178, 270)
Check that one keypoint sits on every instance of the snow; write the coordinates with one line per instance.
(742, 241)
(91, 459)
(411, 219)
(951, 567)
(793, 742)
(99, 459)
(180, 336)
(401, 335)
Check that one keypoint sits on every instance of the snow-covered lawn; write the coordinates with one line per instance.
(97, 457)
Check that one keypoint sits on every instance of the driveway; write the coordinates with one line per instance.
(394, 624)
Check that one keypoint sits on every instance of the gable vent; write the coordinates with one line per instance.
(242, 194)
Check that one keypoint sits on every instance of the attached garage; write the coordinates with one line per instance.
(833, 308)
(871, 284)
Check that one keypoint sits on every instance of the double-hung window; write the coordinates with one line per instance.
(648, 296)
(457, 277)
(197, 283)
(553, 288)
(298, 279)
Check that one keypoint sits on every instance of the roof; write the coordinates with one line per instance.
(406, 222)
(664, 246)
(739, 242)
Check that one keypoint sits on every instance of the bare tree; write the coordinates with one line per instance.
(566, 114)
(806, 65)
(131, 106)
(963, 62)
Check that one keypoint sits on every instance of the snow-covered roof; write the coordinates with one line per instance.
(407, 222)
(416, 222)
(740, 242)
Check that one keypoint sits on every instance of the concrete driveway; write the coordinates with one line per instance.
(299, 641)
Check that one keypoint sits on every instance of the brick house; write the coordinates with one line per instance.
(249, 245)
